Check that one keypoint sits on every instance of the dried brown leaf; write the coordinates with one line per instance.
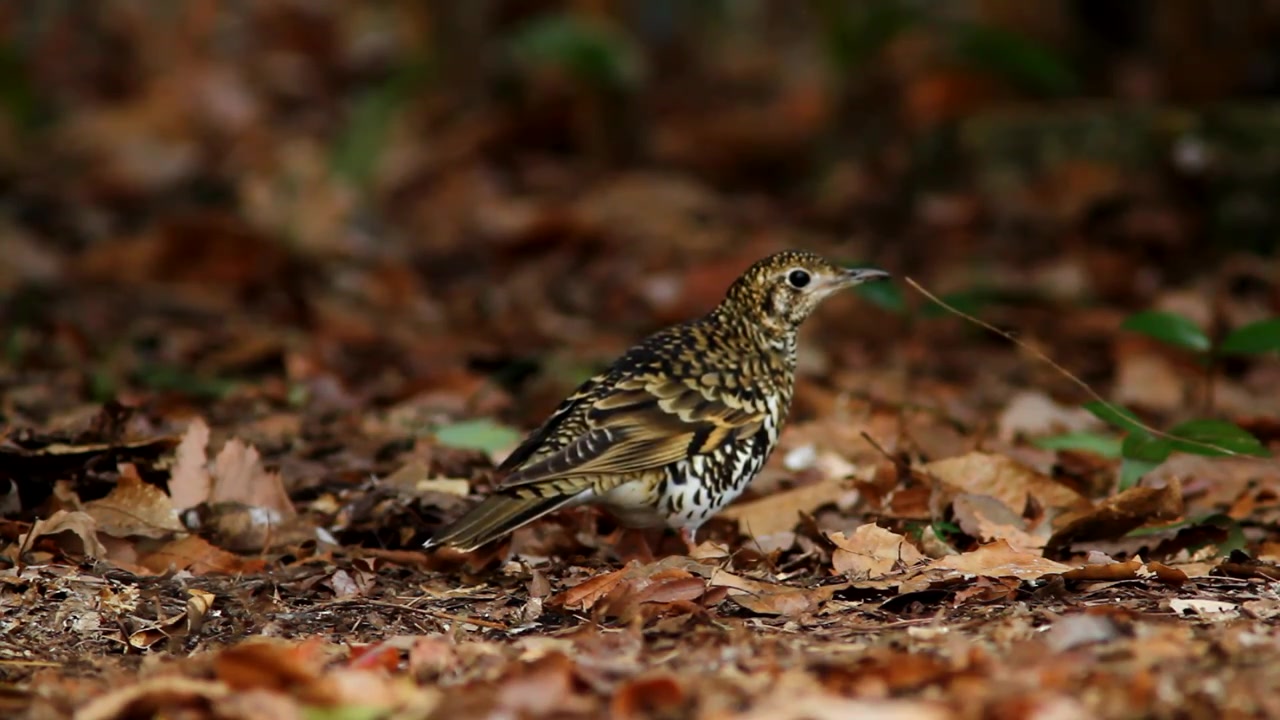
(146, 638)
(998, 559)
(985, 518)
(189, 480)
(586, 594)
(1131, 569)
(240, 478)
(75, 533)
(196, 555)
(134, 508)
(1002, 478)
(671, 589)
(770, 598)
(872, 552)
(1118, 515)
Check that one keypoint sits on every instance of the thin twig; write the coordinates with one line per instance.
(1068, 374)
(435, 614)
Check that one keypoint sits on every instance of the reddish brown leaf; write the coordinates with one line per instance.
(195, 554)
(647, 697)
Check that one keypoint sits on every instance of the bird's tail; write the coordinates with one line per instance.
(495, 517)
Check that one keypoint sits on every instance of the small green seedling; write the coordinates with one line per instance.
(1256, 338)
(1141, 451)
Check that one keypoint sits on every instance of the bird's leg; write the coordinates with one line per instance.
(690, 538)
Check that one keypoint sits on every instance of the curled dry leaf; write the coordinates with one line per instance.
(1118, 515)
(1131, 569)
(1002, 478)
(134, 508)
(156, 632)
(872, 552)
(75, 533)
(198, 606)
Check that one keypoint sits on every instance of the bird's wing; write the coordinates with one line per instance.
(639, 424)
(565, 420)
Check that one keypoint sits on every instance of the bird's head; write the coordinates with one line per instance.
(778, 292)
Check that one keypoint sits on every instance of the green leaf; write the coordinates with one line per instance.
(173, 378)
(359, 145)
(480, 434)
(21, 98)
(1116, 415)
(854, 33)
(1170, 328)
(1104, 445)
(1258, 337)
(594, 54)
(1132, 470)
(1216, 432)
(886, 295)
(1145, 447)
(1016, 58)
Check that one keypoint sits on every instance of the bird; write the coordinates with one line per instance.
(676, 428)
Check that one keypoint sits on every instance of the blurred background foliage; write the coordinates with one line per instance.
(1088, 101)
(520, 171)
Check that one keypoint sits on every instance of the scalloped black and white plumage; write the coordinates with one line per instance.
(678, 426)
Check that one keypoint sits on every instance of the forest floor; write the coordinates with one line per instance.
(242, 379)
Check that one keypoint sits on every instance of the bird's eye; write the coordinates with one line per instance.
(798, 278)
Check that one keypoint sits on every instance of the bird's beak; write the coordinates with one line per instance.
(857, 276)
